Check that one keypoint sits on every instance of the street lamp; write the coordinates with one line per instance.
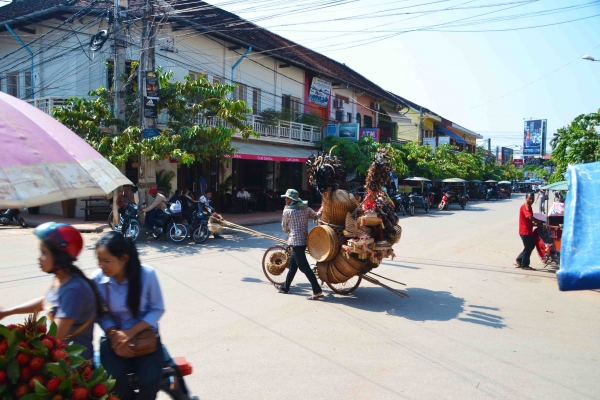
(589, 58)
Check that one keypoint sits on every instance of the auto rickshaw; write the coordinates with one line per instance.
(491, 189)
(548, 238)
(504, 189)
(474, 189)
(415, 196)
(457, 188)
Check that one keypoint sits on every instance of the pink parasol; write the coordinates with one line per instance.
(42, 161)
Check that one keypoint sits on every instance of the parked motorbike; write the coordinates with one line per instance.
(445, 202)
(430, 198)
(399, 202)
(170, 224)
(488, 194)
(411, 204)
(172, 383)
(12, 215)
(129, 225)
(504, 193)
(199, 225)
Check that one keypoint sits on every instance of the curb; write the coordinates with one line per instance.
(82, 230)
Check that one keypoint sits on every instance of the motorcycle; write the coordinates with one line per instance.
(129, 225)
(445, 202)
(12, 215)
(399, 202)
(411, 204)
(199, 225)
(430, 198)
(171, 383)
(488, 194)
(171, 224)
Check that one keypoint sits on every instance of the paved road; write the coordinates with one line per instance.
(474, 327)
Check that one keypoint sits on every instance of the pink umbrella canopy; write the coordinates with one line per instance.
(42, 161)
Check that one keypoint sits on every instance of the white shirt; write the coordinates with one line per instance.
(243, 195)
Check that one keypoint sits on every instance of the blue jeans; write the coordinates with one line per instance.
(150, 217)
(298, 261)
(148, 368)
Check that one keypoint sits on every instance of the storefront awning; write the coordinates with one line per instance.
(444, 131)
(251, 150)
(396, 116)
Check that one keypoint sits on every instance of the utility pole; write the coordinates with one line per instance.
(147, 170)
(118, 70)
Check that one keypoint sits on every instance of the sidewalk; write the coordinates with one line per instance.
(250, 219)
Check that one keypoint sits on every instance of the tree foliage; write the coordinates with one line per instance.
(414, 159)
(577, 143)
(202, 118)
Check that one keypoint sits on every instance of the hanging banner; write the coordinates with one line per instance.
(151, 95)
(320, 91)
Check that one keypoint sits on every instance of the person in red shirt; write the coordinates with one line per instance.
(526, 221)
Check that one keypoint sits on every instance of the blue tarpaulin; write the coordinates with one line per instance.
(448, 132)
(579, 261)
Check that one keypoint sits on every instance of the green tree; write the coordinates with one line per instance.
(577, 143)
(202, 120)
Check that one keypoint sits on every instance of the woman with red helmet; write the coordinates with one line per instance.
(72, 301)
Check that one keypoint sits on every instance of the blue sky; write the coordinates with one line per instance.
(485, 81)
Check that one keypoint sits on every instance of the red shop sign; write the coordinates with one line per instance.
(240, 156)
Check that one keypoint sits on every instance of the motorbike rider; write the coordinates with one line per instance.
(204, 202)
(13, 215)
(72, 301)
(126, 196)
(158, 205)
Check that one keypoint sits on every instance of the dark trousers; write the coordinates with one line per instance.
(529, 245)
(150, 217)
(148, 368)
(298, 260)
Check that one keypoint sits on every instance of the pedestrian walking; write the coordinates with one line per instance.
(134, 304)
(294, 222)
(541, 197)
(526, 221)
(72, 302)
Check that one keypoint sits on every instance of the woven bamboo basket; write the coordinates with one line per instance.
(336, 205)
(396, 238)
(347, 265)
(369, 266)
(278, 262)
(322, 243)
(339, 277)
(322, 270)
(370, 219)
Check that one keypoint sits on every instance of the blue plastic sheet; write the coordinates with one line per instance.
(579, 256)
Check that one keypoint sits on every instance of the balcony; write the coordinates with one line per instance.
(287, 132)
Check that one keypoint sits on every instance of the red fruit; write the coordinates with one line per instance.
(57, 397)
(87, 374)
(80, 393)
(41, 328)
(21, 329)
(38, 378)
(37, 363)
(24, 345)
(25, 374)
(60, 344)
(23, 359)
(3, 377)
(53, 385)
(21, 391)
(56, 354)
(48, 343)
(99, 390)
(3, 347)
(11, 327)
(112, 397)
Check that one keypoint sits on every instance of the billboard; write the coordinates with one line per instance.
(518, 163)
(319, 93)
(534, 137)
(373, 132)
(507, 155)
(349, 131)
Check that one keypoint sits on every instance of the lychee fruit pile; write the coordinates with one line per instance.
(34, 363)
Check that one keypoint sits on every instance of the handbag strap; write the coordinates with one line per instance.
(76, 331)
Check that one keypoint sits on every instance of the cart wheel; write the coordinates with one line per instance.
(276, 279)
(346, 287)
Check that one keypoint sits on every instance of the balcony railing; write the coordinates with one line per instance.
(47, 104)
(282, 131)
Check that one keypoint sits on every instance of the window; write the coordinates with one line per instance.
(28, 88)
(368, 121)
(358, 121)
(349, 117)
(195, 75)
(294, 104)
(240, 92)
(216, 81)
(12, 84)
(256, 93)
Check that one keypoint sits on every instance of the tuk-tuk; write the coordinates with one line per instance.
(491, 189)
(415, 196)
(504, 189)
(475, 189)
(549, 237)
(457, 188)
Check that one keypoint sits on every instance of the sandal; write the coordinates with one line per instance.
(280, 289)
(517, 264)
(316, 296)
(529, 268)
